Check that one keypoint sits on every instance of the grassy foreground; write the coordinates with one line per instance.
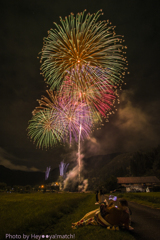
(151, 199)
(50, 214)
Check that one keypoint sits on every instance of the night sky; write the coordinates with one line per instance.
(136, 124)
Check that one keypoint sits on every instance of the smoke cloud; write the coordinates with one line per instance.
(130, 129)
(72, 179)
(6, 160)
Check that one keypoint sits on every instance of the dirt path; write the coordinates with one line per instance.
(146, 222)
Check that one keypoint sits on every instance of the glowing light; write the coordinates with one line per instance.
(47, 172)
(79, 154)
(63, 168)
(111, 197)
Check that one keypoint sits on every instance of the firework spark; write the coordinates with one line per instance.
(59, 119)
(99, 101)
(86, 49)
(42, 129)
(84, 61)
(63, 168)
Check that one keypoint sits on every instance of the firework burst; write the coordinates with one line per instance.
(59, 120)
(84, 48)
(99, 99)
(84, 61)
(42, 129)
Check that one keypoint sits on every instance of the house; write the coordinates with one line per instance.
(140, 184)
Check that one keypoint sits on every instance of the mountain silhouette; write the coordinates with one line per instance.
(18, 177)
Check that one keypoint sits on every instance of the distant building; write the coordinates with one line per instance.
(132, 184)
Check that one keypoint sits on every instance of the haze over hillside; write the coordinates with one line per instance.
(95, 167)
(18, 177)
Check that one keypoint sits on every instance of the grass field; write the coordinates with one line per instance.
(50, 214)
(151, 199)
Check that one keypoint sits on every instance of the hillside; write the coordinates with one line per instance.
(107, 165)
(96, 168)
(18, 177)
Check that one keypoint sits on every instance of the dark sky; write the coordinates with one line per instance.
(136, 124)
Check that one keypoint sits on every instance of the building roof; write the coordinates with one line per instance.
(150, 179)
